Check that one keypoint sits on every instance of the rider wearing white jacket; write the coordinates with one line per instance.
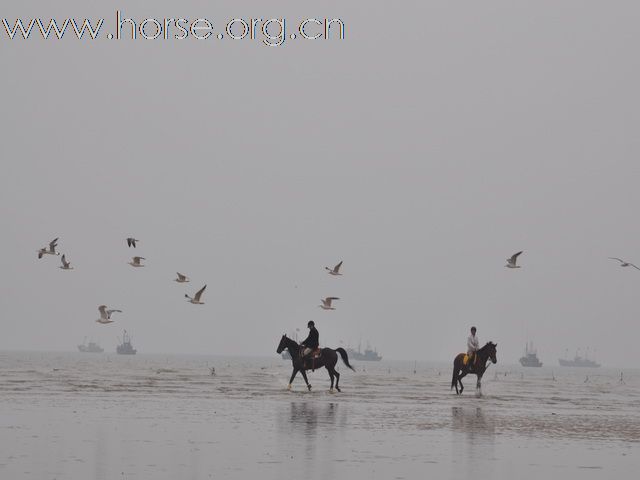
(473, 344)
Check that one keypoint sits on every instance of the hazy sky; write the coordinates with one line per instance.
(433, 142)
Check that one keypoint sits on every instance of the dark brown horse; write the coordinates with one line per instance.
(478, 367)
(327, 359)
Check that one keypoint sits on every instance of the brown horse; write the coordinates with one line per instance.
(488, 352)
(327, 359)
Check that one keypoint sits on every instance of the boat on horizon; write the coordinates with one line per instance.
(579, 361)
(125, 348)
(369, 354)
(530, 358)
(90, 347)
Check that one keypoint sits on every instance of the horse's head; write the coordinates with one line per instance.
(491, 349)
(282, 345)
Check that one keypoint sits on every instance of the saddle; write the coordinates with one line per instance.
(467, 358)
(310, 359)
(315, 354)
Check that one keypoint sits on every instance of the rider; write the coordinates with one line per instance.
(473, 344)
(312, 341)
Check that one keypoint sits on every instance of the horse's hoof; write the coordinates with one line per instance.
(309, 387)
(331, 390)
(289, 387)
(338, 389)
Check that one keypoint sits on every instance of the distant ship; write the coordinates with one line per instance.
(579, 361)
(90, 347)
(125, 348)
(530, 358)
(369, 354)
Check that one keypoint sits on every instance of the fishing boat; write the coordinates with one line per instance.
(578, 361)
(90, 347)
(125, 348)
(369, 354)
(530, 358)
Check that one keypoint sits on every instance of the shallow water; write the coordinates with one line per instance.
(105, 416)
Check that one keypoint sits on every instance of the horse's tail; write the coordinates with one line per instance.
(345, 357)
(455, 374)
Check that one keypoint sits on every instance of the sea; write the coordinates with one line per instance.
(106, 416)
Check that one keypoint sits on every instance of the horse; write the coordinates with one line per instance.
(488, 352)
(328, 359)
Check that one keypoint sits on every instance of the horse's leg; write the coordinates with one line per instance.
(335, 372)
(293, 375)
(479, 383)
(454, 377)
(460, 377)
(304, 375)
(331, 376)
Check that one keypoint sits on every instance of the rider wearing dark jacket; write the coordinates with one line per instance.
(312, 341)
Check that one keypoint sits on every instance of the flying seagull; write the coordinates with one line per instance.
(623, 263)
(181, 278)
(132, 242)
(335, 270)
(326, 303)
(105, 315)
(51, 250)
(511, 262)
(196, 299)
(65, 265)
(136, 262)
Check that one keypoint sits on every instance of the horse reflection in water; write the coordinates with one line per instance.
(474, 435)
(304, 428)
(311, 416)
(471, 421)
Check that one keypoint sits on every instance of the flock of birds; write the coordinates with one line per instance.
(326, 302)
(106, 312)
(136, 262)
(511, 262)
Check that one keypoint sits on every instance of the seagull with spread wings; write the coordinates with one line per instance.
(511, 262)
(132, 242)
(105, 315)
(623, 263)
(326, 303)
(51, 250)
(335, 270)
(65, 265)
(136, 262)
(181, 278)
(196, 298)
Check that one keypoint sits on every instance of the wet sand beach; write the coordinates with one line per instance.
(104, 416)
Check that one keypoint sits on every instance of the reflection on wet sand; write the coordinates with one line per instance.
(152, 417)
(473, 438)
(312, 430)
(308, 418)
(472, 421)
